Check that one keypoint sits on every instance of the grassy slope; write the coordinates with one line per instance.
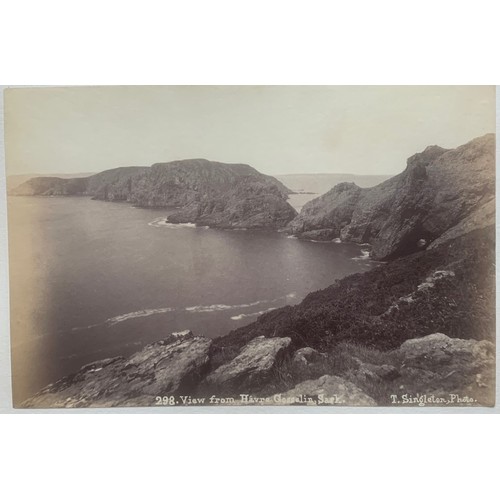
(352, 309)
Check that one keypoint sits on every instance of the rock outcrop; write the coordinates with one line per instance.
(251, 369)
(438, 190)
(482, 217)
(204, 192)
(435, 370)
(447, 371)
(164, 368)
(328, 389)
(324, 218)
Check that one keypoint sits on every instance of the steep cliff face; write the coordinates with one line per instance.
(215, 194)
(324, 218)
(116, 184)
(205, 192)
(438, 190)
(482, 217)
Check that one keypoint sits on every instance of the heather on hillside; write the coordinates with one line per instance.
(361, 308)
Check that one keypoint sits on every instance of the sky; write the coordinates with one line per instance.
(276, 129)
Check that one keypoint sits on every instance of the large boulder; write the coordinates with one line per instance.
(251, 369)
(432, 370)
(460, 372)
(161, 369)
(438, 352)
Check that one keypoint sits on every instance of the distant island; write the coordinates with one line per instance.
(421, 325)
(204, 192)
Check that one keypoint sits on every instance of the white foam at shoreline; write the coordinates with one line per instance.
(137, 314)
(365, 255)
(192, 309)
(184, 333)
(88, 327)
(163, 222)
(258, 313)
(225, 307)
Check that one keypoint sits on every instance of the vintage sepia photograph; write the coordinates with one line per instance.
(251, 246)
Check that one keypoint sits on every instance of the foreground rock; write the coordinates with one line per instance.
(161, 369)
(205, 192)
(432, 370)
(328, 390)
(435, 369)
(308, 363)
(440, 349)
(251, 369)
(438, 190)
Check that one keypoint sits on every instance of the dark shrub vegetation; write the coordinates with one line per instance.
(356, 308)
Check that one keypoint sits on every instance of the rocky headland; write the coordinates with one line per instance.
(203, 192)
(437, 191)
